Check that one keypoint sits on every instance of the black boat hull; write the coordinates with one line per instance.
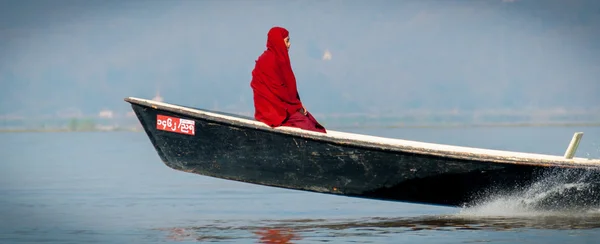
(262, 156)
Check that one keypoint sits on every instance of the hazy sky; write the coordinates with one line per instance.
(385, 55)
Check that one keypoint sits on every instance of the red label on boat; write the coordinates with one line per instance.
(177, 125)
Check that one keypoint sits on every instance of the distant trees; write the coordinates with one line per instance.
(81, 124)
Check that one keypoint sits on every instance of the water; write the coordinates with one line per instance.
(112, 188)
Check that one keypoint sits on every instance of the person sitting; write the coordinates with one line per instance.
(276, 98)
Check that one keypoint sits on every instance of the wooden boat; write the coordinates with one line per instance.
(242, 149)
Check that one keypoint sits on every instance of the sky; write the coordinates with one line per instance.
(385, 56)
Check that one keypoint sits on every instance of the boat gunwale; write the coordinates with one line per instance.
(379, 143)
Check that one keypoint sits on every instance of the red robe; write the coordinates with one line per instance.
(274, 83)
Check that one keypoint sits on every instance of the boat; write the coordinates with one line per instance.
(239, 148)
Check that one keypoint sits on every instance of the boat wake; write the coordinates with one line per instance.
(568, 193)
(557, 201)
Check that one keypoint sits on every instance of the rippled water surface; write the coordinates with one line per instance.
(112, 188)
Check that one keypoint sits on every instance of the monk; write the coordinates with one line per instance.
(276, 99)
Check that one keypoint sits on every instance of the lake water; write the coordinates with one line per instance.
(113, 188)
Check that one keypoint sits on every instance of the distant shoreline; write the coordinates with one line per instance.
(474, 125)
(338, 127)
(61, 130)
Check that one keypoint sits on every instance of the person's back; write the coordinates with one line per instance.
(276, 99)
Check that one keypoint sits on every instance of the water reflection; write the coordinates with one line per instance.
(286, 231)
(269, 236)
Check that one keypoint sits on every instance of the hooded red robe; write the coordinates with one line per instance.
(276, 98)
